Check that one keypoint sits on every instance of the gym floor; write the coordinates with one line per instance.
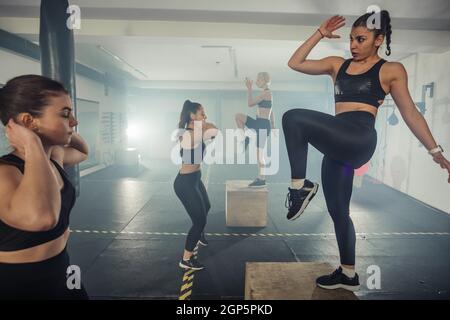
(128, 235)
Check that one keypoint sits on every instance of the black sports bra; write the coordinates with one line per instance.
(12, 239)
(363, 88)
(195, 156)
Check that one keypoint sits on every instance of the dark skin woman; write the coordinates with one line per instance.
(348, 139)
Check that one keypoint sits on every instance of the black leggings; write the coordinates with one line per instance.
(38, 280)
(190, 189)
(348, 141)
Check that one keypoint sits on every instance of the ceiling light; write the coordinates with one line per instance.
(122, 61)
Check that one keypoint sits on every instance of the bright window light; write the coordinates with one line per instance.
(133, 131)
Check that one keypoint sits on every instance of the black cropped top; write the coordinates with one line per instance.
(195, 156)
(363, 88)
(12, 239)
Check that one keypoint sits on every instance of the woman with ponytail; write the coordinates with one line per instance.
(348, 139)
(188, 185)
(36, 194)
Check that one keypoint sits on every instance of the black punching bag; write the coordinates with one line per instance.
(58, 56)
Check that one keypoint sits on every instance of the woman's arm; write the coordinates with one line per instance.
(75, 152)
(253, 102)
(250, 101)
(326, 65)
(210, 131)
(201, 131)
(413, 118)
(31, 201)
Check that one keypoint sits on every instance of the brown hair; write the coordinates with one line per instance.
(28, 93)
(185, 116)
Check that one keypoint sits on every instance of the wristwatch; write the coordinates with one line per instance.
(436, 150)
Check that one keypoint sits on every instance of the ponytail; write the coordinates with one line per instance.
(386, 29)
(185, 116)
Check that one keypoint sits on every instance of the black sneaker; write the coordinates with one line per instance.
(297, 200)
(258, 183)
(191, 264)
(203, 240)
(338, 280)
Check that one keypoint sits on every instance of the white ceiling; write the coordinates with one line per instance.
(432, 9)
(164, 39)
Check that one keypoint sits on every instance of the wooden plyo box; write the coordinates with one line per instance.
(289, 281)
(245, 206)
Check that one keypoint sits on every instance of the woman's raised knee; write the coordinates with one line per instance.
(292, 116)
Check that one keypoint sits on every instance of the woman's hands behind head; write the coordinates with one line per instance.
(19, 136)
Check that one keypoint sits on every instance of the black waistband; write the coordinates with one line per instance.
(197, 173)
(61, 259)
(362, 117)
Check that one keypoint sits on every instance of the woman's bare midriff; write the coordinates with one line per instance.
(264, 113)
(355, 106)
(38, 253)
(189, 168)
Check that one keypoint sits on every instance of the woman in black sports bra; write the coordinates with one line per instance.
(347, 139)
(37, 195)
(188, 185)
(262, 125)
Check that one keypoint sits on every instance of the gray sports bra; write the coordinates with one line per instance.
(265, 104)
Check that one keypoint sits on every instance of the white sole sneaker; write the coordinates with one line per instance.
(308, 199)
(258, 186)
(340, 286)
(202, 244)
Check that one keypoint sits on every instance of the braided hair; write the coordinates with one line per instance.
(385, 30)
